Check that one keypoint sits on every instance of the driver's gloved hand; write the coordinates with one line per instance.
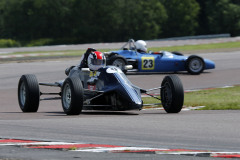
(92, 80)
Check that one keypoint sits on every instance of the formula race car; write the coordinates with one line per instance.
(162, 61)
(106, 89)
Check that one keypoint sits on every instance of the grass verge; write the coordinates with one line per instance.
(185, 49)
(212, 99)
(200, 47)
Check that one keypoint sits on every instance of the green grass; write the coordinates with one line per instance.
(184, 48)
(58, 53)
(225, 45)
(67, 52)
(213, 99)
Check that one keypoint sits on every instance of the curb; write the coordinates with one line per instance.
(100, 148)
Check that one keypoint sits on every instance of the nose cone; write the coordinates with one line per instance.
(209, 64)
(136, 105)
(131, 98)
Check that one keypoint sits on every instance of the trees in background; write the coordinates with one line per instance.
(33, 19)
(223, 16)
(118, 20)
(86, 21)
(182, 17)
(219, 16)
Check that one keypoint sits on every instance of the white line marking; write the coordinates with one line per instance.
(103, 149)
(37, 143)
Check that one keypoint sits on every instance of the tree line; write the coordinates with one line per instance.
(88, 21)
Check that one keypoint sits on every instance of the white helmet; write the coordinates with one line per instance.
(141, 45)
(96, 60)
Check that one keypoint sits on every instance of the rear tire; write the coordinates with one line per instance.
(72, 96)
(28, 93)
(172, 94)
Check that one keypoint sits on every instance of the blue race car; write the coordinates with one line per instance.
(162, 61)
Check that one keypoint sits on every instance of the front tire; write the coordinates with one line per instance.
(72, 96)
(28, 93)
(172, 94)
(195, 65)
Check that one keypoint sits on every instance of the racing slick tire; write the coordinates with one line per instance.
(28, 93)
(118, 61)
(72, 96)
(172, 94)
(195, 65)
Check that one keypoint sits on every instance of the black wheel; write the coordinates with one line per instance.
(172, 95)
(118, 61)
(195, 65)
(28, 93)
(72, 96)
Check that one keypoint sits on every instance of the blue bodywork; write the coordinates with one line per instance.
(163, 61)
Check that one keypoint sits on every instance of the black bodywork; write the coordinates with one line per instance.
(114, 90)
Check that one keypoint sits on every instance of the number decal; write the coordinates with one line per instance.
(148, 63)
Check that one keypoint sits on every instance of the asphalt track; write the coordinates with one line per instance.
(194, 130)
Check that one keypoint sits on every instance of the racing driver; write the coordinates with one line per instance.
(141, 46)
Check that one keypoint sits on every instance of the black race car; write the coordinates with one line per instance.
(106, 89)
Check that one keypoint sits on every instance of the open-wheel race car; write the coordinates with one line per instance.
(162, 61)
(106, 89)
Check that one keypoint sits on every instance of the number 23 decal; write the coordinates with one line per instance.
(148, 63)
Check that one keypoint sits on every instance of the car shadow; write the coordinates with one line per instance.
(90, 113)
(166, 73)
(94, 113)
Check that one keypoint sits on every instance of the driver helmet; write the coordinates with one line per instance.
(141, 45)
(96, 60)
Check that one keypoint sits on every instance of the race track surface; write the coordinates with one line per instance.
(194, 130)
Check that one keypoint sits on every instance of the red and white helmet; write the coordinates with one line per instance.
(96, 60)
